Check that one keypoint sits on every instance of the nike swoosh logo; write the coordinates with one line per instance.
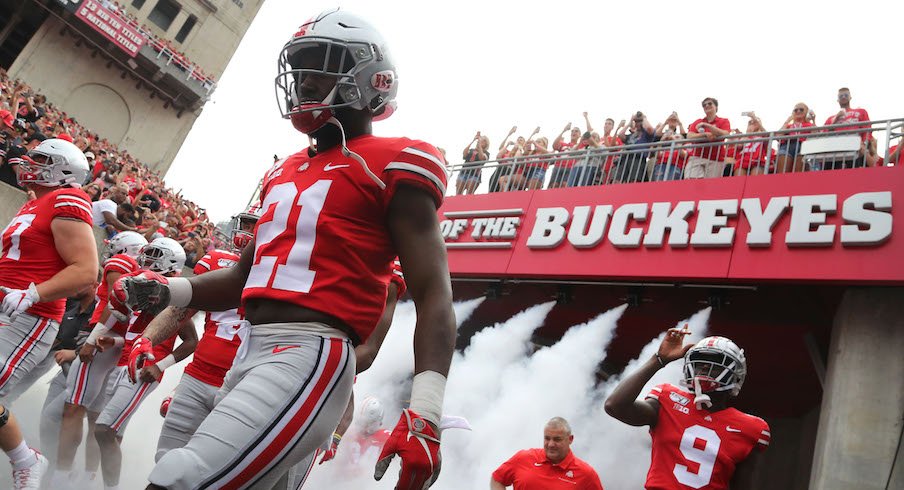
(330, 166)
(538, 464)
(732, 429)
(280, 348)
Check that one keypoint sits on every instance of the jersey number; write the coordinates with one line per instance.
(296, 274)
(704, 455)
(18, 225)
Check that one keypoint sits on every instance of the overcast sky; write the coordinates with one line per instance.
(469, 65)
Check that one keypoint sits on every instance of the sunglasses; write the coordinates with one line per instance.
(799, 109)
(705, 104)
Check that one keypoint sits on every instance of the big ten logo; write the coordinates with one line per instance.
(681, 409)
(383, 80)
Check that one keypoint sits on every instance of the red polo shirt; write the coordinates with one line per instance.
(716, 153)
(529, 469)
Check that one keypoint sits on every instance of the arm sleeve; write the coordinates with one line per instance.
(72, 204)
(420, 165)
(203, 265)
(398, 277)
(505, 473)
(656, 392)
(764, 436)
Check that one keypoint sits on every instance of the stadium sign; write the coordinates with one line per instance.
(111, 26)
(836, 226)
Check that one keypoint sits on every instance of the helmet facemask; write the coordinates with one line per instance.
(157, 259)
(710, 370)
(243, 230)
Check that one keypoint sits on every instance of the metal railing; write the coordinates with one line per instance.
(862, 144)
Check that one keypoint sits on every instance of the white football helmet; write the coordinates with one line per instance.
(243, 226)
(370, 415)
(54, 163)
(344, 47)
(714, 364)
(163, 256)
(125, 242)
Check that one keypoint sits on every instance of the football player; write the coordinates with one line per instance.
(131, 387)
(49, 254)
(195, 395)
(88, 374)
(334, 216)
(699, 442)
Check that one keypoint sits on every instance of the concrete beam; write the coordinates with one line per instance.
(860, 424)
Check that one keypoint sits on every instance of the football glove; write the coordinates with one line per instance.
(19, 300)
(330, 452)
(143, 291)
(142, 352)
(417, 443)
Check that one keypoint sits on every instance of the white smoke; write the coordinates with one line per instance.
(508, 393)
(505, 390)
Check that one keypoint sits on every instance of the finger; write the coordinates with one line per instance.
(6, 289)
(381, 466)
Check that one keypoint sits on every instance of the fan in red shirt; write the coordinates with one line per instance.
(334, 216)
(751, 156)
(49, 253)
(847, 116)
(699, 442)
(562, 167)
(708, 161)
(552, 467)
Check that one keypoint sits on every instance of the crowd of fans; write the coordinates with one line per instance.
(126, 195)
(164, 47)
(636, 150)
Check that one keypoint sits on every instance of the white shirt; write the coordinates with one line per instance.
(98, 209)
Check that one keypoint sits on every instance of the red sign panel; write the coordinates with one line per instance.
(112, 26)
(817, 226)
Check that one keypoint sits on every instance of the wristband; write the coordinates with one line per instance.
(180, 291)
(166, 362)
(119, 341)
(336, 438)
(661, 364)
(99, 329)
(427, 393)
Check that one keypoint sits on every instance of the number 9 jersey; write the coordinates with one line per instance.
(322, 241)
(699, 449)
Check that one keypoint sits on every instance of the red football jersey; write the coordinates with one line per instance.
(216, 349)
(322, 241)
(29, 252)
(121, 264)
(699, 449)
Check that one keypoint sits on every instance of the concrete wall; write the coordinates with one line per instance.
(860, 425)
(99, 98)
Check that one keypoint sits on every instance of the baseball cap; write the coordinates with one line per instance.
(89, 155)
(7, 118)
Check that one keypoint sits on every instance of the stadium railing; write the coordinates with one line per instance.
(824, 148)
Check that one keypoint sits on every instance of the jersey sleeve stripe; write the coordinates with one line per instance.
(203, 264)
(420, 171)
(77, 205)
(119, 264)
(767, 433)
(763, 442)
(398, 273)
(423, 154)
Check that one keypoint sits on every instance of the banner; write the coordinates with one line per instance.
(815, 226)
(112, 26)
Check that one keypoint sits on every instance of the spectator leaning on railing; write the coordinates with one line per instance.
(751, 156)
(670, 160)
(708, 161)
(632, 167)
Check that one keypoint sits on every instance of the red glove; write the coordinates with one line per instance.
(330, 452)
(417, 443)
(142, 351)
(143, 291)
(164, 405)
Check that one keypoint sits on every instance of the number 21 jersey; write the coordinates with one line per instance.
(322, 241)
(699, 449)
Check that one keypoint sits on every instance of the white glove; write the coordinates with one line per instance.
(19, 300)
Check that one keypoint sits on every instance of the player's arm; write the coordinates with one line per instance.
(221, 290)
(623, 404)
(367, 352)
(74, 242)
(168, 323)
(112, 220)
(415, 231)
(744, 471)
(152, 373)
(344, 423)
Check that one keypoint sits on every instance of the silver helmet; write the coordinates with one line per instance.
(54, 163)
(163, 255)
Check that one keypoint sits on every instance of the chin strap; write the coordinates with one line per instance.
(702, 400)
(350, 154)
